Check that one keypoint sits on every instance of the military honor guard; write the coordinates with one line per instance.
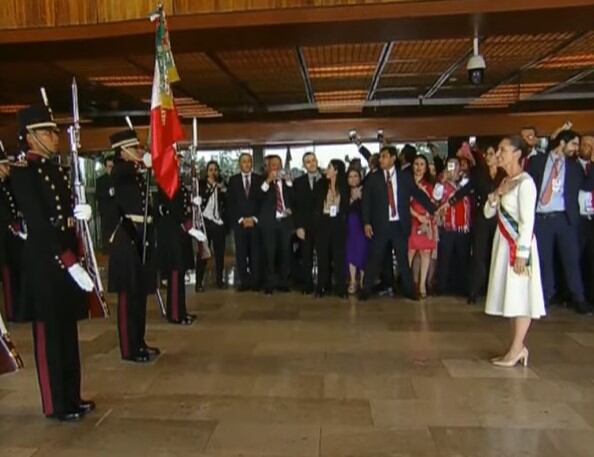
(132, 275)
(12, 238)
(55, 282)
(175, 230)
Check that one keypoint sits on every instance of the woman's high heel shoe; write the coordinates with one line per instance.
(522, 357)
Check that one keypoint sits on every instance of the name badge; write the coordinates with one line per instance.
(556, 185)
(333, 211)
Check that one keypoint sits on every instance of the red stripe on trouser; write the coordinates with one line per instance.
(174, 296)
(123, 323)
(7, 288)
(43, 369)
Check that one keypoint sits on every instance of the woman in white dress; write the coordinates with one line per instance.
(515, 289)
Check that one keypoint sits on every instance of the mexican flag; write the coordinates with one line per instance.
(166, 128)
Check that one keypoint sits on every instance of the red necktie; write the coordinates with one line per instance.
(280, 207)
(390, 189)
(548, 192)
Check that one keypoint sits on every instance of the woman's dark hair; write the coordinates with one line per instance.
(565, 135)
(216, 164)
(341, 181)
(518, 143)
(427, 176)
(354, 170)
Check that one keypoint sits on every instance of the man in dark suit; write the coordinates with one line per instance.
(559, 178)
(108, 208)
(276, 225)
(303, 213)
(244, 207)
(386, 215)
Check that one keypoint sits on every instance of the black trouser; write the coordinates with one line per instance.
(453, 252)
(306, 249)
(58, 364)
(330, 246)
(276, 238)
(247, 255)
(587, 255)
(216, 239)
(395, 239)
(131, 322)
(483, 231)
(176, 295)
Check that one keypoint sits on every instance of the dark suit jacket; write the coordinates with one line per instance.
(320, 193)
(238, 204)
(375, 200)
(303, 204)
(267, 216)
(575, 180)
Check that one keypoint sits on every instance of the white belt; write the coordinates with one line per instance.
(137, 219)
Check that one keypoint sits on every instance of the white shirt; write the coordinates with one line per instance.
(395, 190)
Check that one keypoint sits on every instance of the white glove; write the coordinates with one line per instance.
(111, 191)
(198, 234)
(147, 160)
(464, 181)
(81, 277)
(197, 201)
(83, 212)
(22, 235)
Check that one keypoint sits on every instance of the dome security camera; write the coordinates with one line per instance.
(476, 66)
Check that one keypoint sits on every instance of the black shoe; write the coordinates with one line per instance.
(307, 290)
(221, 285)
(86, 406)
(471, 300)
(150, 350)
(364, 295)
(72, 416)
(284, 289)
(583, 307)
(319, 293)
(413, 297)
(388, 292)
(143, 357)
(199, 289)
(268, 291)
(243, 288)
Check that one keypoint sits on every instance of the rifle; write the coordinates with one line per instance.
(82, 227)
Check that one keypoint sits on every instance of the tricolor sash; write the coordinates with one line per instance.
(509, 229)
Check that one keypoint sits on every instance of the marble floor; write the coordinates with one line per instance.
(292, 376)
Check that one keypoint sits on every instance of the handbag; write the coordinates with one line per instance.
(10, 360)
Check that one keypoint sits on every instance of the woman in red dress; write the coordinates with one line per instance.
(423, 236)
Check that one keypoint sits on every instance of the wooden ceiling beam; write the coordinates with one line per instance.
(570, 81)
(382, 61)
(304, 70)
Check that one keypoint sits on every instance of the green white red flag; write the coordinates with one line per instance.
(166, 129)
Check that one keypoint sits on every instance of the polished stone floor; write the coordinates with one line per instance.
(288, 376)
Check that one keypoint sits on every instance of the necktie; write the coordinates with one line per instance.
(390, 190)
(246, 185)
(280, 207)
(548, 192)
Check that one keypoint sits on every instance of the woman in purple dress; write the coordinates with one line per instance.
(356, 242)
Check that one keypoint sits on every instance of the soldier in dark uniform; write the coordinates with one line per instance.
(108, 208)
(174, 250)
(55, 283)
(131, 272)
(12, 236)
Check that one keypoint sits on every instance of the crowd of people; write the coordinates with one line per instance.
(329, 231)
(501, 216)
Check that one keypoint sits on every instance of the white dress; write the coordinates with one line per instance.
(510, 294)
